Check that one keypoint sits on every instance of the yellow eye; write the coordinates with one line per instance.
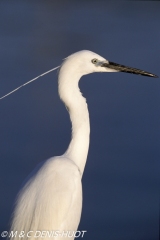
(94, 60)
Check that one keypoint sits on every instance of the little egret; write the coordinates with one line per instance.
(51, 199)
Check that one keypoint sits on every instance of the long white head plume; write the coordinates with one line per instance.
(28, 82)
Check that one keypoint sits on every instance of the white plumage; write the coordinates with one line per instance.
(51, 199)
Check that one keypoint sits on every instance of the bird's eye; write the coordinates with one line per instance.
(94, 60)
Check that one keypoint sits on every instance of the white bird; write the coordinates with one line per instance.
(51, 200)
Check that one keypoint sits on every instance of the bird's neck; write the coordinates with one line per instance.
(77, 107)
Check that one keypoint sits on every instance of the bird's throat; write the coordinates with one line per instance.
(78, 110)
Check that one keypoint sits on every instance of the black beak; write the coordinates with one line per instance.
(122, 68)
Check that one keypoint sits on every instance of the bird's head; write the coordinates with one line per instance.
(85, 62)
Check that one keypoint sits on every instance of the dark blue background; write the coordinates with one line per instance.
(120, 182)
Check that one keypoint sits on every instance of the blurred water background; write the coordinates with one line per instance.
(120, 182)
